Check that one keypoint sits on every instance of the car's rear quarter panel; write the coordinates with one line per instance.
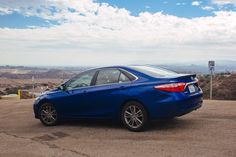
(161, 104)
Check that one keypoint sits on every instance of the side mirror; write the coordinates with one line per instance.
(62, 87)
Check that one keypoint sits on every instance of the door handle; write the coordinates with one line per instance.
(85, 91)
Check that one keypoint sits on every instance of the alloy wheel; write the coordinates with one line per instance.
(133, 116)
(48, 114)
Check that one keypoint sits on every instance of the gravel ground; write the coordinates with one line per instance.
(209, 131)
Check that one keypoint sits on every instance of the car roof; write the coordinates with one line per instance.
(127, 68)
(121, 66)
(106, 67)
(115, 67)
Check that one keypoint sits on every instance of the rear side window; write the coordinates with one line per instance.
(108, 76)
(129, 75)
(153, 71)
(123, 78)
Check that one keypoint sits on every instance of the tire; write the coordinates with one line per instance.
(134, 116)
(48, 115)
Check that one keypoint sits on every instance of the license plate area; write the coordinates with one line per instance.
(191, 88)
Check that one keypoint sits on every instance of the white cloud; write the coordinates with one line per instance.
(223, 2)
(183, 3)
(208, 8)
(5, 11)
(101, 34)
(165, 2)
(196, 3)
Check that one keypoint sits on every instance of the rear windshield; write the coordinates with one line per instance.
(153, 71)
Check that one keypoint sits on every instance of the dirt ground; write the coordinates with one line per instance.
(209, 131)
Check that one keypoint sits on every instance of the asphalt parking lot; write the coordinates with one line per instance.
(209, 131)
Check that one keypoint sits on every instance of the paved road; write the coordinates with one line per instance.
(209, 131)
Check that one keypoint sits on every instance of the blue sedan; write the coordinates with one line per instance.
(133, 95)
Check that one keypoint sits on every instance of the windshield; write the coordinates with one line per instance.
(153, 71)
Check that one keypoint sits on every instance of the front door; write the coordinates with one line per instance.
(74, 100)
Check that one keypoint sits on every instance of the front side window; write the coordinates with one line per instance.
(82, 80)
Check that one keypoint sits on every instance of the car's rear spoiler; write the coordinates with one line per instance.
(186, 75)
(182, 76)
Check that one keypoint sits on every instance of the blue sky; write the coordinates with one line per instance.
(108, 32)
(16, 20)
(181, 8)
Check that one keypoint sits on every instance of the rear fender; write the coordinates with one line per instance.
(132, 99)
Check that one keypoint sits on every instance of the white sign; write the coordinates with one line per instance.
(211, 65)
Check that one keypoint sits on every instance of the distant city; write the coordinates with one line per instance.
(185, 67)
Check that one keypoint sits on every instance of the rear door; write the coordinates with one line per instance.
(109, 90)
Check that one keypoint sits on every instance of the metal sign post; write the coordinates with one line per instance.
(211, 66)
(33, 83)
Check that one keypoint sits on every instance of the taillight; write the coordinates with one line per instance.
(172, 87)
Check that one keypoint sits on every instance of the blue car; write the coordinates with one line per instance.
(133, 95)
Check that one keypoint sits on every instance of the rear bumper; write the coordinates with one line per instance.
(177, 108)
(185, 111)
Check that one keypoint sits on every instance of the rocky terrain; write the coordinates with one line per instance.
(224, 86)
(33, 79)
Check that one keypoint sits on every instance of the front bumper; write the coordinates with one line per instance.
(36, 105)
(35, 109)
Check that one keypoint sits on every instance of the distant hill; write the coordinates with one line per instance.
(21, 72)
(54, 73)
(198, 67)
(202, 67)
